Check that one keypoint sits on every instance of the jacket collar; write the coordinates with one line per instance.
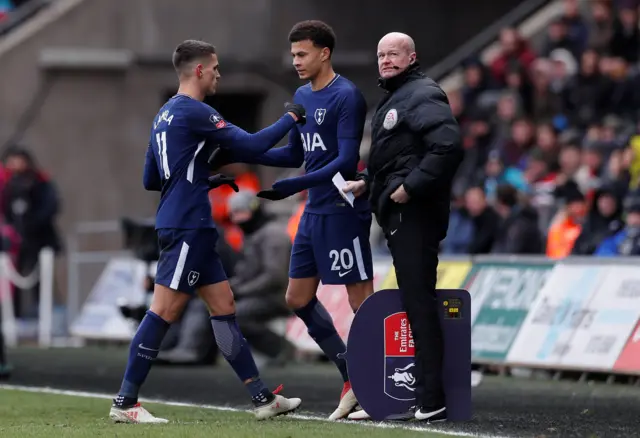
(410, 74)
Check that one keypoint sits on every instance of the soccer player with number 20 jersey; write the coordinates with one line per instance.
(332, 242)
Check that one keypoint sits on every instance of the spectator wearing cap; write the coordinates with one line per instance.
(627, 241)
(519, 233)
(496, 173)
(563, 67)
(603, 221)
(567, 226)
(245, 179)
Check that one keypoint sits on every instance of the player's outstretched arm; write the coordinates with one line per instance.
(151, 176)
(290, 156)
(246, 145)
(347, 158)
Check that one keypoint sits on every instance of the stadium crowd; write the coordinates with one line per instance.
(552, 140)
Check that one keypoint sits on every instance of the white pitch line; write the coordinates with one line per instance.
(47, 390)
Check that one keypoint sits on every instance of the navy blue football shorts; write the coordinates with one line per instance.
(188, 259)
(334, 247)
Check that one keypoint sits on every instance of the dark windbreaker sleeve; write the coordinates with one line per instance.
(431, 118)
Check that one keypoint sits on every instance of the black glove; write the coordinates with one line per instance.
(298, 110)
(272, 195)
(220, 180)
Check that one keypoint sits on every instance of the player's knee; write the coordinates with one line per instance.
(225, 306)
(219, 299)
(168, 314)
(167, 303)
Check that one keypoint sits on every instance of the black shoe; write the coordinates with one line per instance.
(431, 415)
(404, 416)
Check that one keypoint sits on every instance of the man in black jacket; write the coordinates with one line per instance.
(415, 152)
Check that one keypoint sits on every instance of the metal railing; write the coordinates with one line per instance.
(76, 258)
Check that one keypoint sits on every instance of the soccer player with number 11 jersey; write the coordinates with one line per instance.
(177, 166)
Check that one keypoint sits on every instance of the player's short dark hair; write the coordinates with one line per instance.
(189, 51)
(318, 32)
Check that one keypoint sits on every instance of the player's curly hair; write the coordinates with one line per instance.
(318, 32)
(191, 50)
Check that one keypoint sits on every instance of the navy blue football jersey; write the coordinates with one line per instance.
(176, 160)
(336, 116)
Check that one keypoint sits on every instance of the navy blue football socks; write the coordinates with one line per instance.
(235, 350)
(320, 327)
(142, 352)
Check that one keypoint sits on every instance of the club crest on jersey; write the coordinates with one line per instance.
(399, 361)
(218, 121)
(319, 115)
(390, 119)
(193, 277)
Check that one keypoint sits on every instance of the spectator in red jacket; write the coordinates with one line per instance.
(30, 205)
(513, 48)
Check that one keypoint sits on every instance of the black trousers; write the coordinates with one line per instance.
(414, 248)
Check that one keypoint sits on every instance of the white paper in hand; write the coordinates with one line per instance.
(340, 183)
